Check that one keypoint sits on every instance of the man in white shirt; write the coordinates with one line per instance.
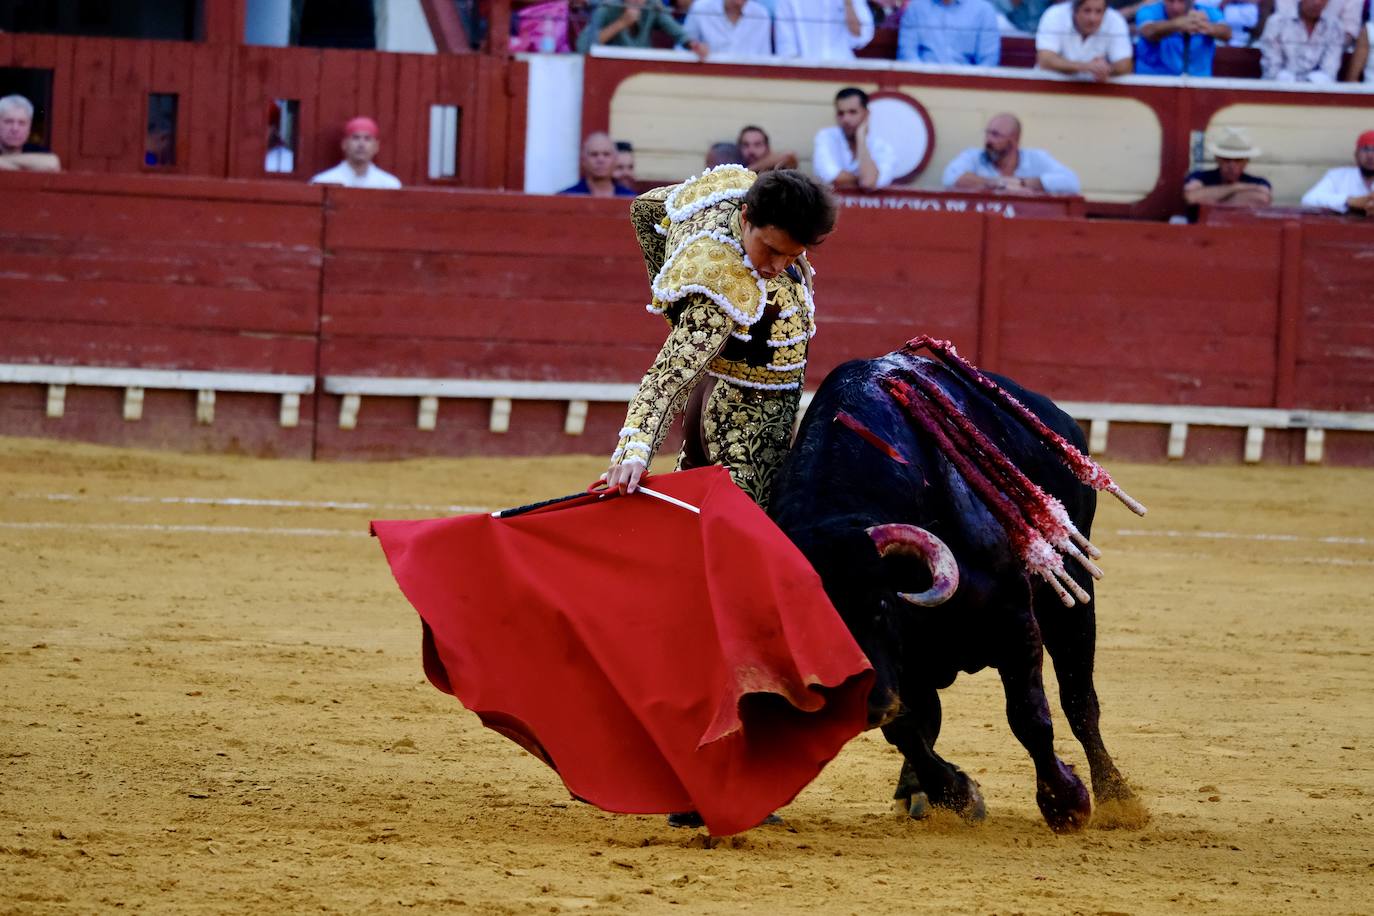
(740, 28)
(847, 155)
(1003, 166)
(360, 145)
(1085, 39)
(1350, 187)
(822, 30)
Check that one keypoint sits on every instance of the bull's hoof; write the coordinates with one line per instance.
(975, 810)
(685, 819)
(1066, 806)
(915, 806)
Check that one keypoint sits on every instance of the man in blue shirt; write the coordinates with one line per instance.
(1174, 38)
(1002, 166)
(950, 32)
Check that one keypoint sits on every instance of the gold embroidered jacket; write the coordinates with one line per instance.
(727, 321)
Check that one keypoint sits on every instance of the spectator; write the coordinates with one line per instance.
(758, 153)
(624, 172)
(1003, 166)
(17, 154)
(1302, 45)
(1242, 16)
(1361, 61)
(360, 145)
(1228, 184)
(1349, 187)
(739, 27)
(724, 153)
(822, 30)
(1349, 13)
(848, 155)
(1084, 38)
(598, 169)
(1176, 37)
(950, 32)
(1020, 17)
(631, 24)
(280, 157)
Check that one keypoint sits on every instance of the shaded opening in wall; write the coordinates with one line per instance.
(283, 120)
(160, 143)
(445, 126)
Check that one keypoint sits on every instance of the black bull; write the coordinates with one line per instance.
(878, 468)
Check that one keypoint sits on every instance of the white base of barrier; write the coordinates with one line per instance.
(136, 381)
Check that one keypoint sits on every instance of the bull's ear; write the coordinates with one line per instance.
(917, 542)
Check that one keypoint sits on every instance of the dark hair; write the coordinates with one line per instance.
(794, 202)
(748, 127)
(624, 146)
(853, 92)
(724, 153)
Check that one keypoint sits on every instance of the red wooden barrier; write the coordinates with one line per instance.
(162, 274)
(266, 277)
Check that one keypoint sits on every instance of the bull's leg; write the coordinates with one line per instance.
(927, 778)
(1071, 637)
(1061, 795)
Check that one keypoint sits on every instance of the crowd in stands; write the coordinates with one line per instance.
(848, 157)
(1298, 40)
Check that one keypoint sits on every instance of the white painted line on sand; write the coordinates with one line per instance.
(1243, 536)
(241, 501)
(184, 529)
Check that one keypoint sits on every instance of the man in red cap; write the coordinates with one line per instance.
(359, 148)
(1350, 187)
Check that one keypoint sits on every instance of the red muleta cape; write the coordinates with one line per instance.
(657, 659)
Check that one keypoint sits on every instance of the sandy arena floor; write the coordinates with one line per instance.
(211, 708)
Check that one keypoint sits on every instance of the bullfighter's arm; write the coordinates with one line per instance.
(701, 333)
(647, 213)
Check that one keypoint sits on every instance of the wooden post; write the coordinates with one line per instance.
(224, 21)
(990, 298)
(498, 29)
(1290, 313)
(449, 34)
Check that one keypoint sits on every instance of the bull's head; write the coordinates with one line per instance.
(874, 591)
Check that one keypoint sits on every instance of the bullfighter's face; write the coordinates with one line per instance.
(771, 250)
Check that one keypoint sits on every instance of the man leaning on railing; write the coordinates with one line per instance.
(17, 154)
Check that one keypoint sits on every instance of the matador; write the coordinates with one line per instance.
(726, 256)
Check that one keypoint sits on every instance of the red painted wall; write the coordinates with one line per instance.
(262, 276)
(100, 88)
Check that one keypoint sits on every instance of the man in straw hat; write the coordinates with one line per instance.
(1228, 184)
(1351, 187)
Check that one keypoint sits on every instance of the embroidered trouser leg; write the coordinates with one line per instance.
(749, 431)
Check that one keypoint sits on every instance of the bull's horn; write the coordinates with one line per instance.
(909, 540)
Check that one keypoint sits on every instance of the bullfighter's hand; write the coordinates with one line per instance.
(623, 477)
